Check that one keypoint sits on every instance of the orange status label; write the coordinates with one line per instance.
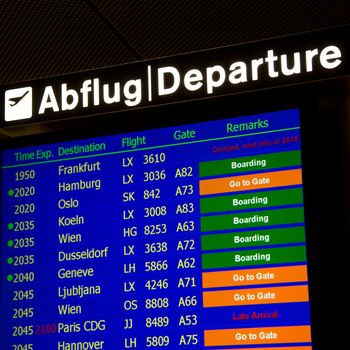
(245, 277)
(250, 182)
(264, 335)
(253, 296)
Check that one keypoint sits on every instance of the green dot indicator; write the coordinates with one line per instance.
(10, 278)
(10, 226)
(11, 192)
(10, 261)
(10, 243)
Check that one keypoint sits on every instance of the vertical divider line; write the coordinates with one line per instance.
(149, 82)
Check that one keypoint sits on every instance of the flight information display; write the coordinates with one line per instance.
(185, 237)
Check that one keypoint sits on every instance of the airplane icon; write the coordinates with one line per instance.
(14, 100)
(18, 104)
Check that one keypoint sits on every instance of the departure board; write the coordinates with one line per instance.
(183, 237)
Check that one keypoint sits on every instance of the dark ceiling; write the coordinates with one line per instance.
(41, 38)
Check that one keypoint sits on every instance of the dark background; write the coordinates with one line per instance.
(41, 38)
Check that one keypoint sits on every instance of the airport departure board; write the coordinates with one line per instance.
(185, 237)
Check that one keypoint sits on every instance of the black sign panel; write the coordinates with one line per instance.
(271, 63)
